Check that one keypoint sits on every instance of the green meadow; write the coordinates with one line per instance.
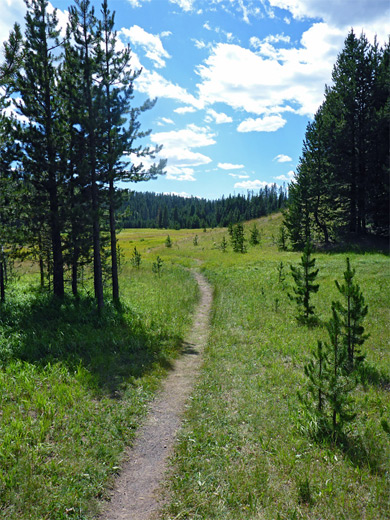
(75, 386)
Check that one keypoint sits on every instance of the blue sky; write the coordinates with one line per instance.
(236, 80)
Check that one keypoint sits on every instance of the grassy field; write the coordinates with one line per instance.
(75, 387)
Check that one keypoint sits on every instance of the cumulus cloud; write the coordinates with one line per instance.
(217, 117)
(272, 80)
(286, 178)
(154, 85)
(340, 14)
(265, 124)
(165, 121)
(282, 158)
(192, 136)
(230, 166)
(177, 149)
(252, 185)
(151, 43)
(184, 110)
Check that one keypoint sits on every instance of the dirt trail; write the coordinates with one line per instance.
(135, 495)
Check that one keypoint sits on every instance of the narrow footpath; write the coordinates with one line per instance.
(135, 495)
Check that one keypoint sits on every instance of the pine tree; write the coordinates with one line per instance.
(254, 239)
(116, 136)
(37, 84)
(304, 276)
(352, 312)
(238, 239)
(329, 386)
(86, 40)
(223, 245)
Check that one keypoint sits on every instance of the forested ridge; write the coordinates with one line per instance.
(152, 210)
(342, 182)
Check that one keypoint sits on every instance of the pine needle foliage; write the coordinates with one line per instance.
(304, 276)
(238, 239)
(329, 385)
(352, 312)
(255, 237)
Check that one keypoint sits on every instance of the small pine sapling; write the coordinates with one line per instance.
(281, 274)
(352, 312)
(195, 240)
(281, 240)
(329, 387)
(224, 244)
(238, 239)
(254, 238)
(157, 266)
(230, 229)
(136, 258)
(304, 276)
(168, 241)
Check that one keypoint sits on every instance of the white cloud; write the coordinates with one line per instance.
(10, 13)
(265, 124)
(272, 38)
(287, 178)
(229, 166)
(282, 158)
(190, 137)
(341, 14)
(155, 85)
(183, 194)
(151, 43)
(238, 176)
(252, 185)
(137, 3)
(186, 5)
(177, 149)
(184, 110)
(175, 173)
(272, 80)
(165, 121)
(199, 44)
(218, 117)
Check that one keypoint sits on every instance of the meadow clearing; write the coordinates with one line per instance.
(75, 386)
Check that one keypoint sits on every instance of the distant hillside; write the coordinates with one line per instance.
(152, 210)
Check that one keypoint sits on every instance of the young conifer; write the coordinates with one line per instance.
(238, 239)
(329, 386)
(352, 312)
(304, 276)
(254, 238)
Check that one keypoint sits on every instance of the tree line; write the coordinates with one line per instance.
(152, 210)
(70, 136)
(342, 180)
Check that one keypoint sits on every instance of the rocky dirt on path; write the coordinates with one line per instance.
(135, 494)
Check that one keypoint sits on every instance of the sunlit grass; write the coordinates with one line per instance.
(74, 387)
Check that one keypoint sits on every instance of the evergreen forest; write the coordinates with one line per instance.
(151, 210)
(342, 182)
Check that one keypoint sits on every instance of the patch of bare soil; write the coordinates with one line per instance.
(135, 494)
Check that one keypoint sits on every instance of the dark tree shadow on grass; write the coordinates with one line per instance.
(115, 347)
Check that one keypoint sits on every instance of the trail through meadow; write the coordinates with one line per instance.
(136, 492)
